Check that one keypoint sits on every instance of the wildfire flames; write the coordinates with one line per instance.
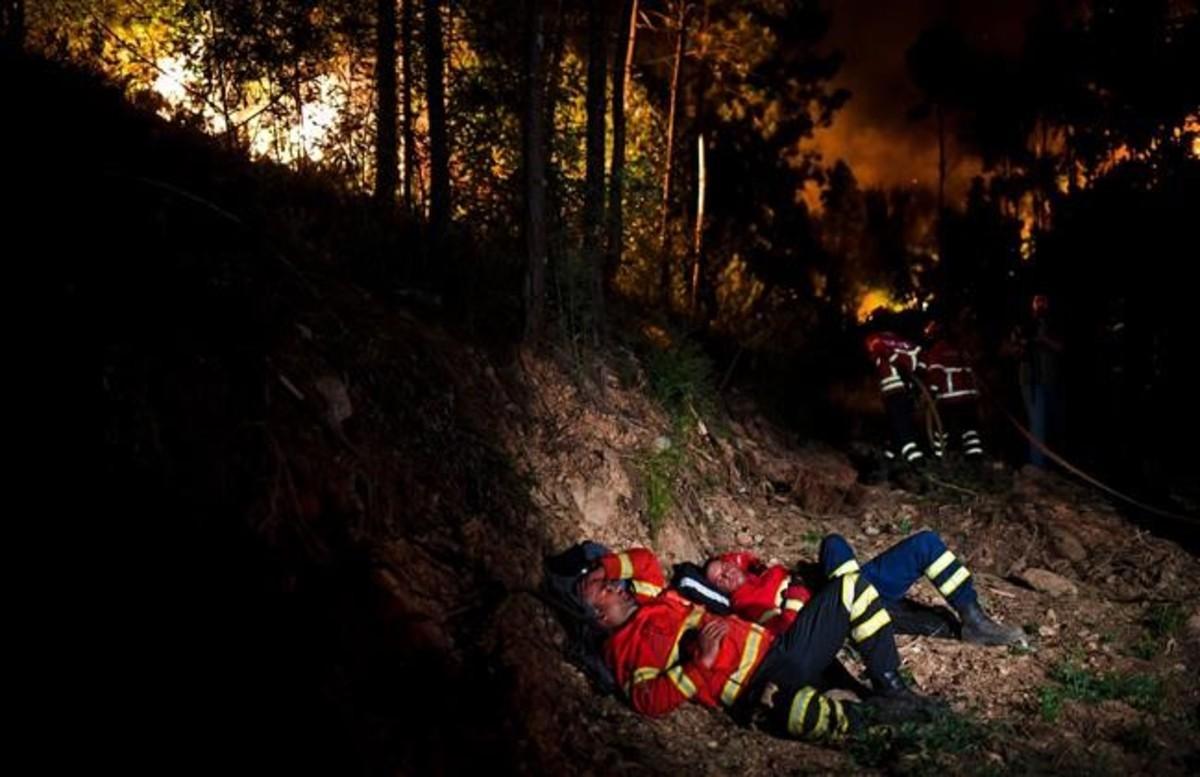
(880, 299)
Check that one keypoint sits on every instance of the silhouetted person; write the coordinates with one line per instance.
(1040, 374)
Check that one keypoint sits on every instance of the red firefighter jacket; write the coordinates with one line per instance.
(896, 359)
(653, 655)
(947, 374)
(769, 597)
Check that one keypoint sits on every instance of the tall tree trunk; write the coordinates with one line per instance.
(12, 23)
(699, 88)
(621, 72)
(698, 231)
(554, 224)
(439, 147)
(1072, 171)
(218, 69)
(298, 98)
(535, 169)
(406, 94)
(593, 197)
(386, 143)
(669, 155)
(1045, 183)
(941, 196)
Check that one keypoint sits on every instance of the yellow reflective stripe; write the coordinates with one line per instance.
(641, 675)
(682, 681)
(691, 621)
(626, 565)
(783, 584)
(848, 591)
(795, 605)
(646, 589)
(862, 602)
(937, 567)
(843, 723)
(733, 685)
(768, 615)
(955, 581)
(822, 716)
(795, 723)
(873, 624)
(845, 568)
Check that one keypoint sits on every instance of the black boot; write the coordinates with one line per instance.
(909, 617)
(979, 629)
(895, 702)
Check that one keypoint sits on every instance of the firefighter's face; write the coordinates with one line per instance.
(609, 598)
(724, 575)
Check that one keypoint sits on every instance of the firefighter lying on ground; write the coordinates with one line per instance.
(773, 596)
(663, 650)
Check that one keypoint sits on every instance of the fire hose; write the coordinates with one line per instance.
(933, 426)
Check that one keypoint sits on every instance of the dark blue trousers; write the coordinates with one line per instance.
(895, 570)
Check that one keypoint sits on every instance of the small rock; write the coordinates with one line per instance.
(745, 539)
(1048, 582)
(1067, 545)
(758, 539)
(338, 407)
(662, 443)
(1193, 627)
(871, 531)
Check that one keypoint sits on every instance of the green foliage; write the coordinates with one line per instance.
(573, 298)
(1078, 684)
(1160, 622)
(932, 748)
(681, 379)
(1163, 620)
(659, 469)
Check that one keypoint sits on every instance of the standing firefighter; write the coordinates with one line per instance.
(897, 360)
(951, 382)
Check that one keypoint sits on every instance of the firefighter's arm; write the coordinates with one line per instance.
(742, 559)
(778, 621)
(796, 596)
(656, 692)
(637, 565)
(793, 599)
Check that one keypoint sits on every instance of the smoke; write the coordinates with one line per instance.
(873, 132)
